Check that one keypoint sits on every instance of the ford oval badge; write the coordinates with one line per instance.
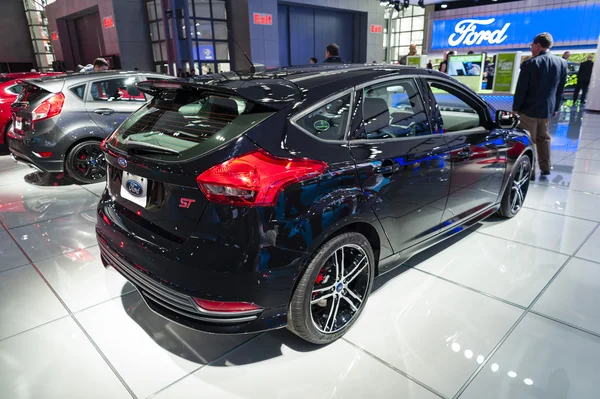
(134, 188)
(122, 162)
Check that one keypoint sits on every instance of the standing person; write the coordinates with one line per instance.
(566, 55)
(489, 79)
(537, 98)
(313, 60)
(412, 51)
(429, 65)
(332, 53)
(100, 64)
(444, 64)
(584, 77)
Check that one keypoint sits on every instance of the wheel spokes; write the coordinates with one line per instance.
(336, 296)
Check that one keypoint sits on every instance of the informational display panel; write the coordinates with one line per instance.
(468, 69)
(504, 74)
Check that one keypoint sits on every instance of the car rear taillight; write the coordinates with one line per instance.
(255, 179)
(225, 307)
(50, 107)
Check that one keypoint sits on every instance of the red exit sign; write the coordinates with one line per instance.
(54, 35)
(376, 28)
(263, 19)
(108, 22)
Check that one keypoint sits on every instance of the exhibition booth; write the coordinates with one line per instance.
(500, 37)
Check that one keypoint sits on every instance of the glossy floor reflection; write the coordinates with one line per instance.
(508, 309)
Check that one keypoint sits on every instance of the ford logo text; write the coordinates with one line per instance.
(134, 188)
(465, 32)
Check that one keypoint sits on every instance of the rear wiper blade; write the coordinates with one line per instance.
(140, 145)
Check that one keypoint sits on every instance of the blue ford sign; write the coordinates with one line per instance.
(570, 26)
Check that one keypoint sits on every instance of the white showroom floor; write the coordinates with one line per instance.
(508, 309)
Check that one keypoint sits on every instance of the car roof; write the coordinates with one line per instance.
(85, 76)
(316, 81)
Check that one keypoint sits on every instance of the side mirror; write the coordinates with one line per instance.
(507, 120)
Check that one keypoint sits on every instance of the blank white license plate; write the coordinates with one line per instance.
(18, 124)
(134, 188)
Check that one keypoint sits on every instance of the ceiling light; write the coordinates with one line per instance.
(444, 5)
(421, 3)
(406, 3)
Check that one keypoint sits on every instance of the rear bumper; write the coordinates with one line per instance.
(22, 152)
(168, 285)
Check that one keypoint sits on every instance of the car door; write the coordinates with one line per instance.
(478, 152)
(401, 163)
(111, 100)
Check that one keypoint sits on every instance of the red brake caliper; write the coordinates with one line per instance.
(319, 280)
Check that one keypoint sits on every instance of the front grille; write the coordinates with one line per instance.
(165, 296)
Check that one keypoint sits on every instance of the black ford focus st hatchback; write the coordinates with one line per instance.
(247, 203)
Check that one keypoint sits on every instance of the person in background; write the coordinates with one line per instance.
(470, 52)
(100, 64)
(584, 77)
(444, 64)
(566, 55)
(537, 98)
(332, 53)
(192, 72)
(313, 60)
(180, 73)
(429, 65)
(489, 80)
(412, 51)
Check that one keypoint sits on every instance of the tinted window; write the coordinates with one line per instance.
(456, 112)
(15, 89)
(394, 110)
(329, 121)
(189, 122)
(79, 91)
(120, 89)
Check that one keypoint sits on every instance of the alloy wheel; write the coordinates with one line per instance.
(519, 188)
(340, 289)
(89, 162)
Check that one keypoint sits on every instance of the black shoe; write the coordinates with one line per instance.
(545, 173)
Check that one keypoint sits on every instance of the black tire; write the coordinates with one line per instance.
(516, 189)
(82, 170)
(322, 266)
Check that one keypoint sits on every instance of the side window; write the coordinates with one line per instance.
(454, 106)
(15, 89)
(329, 121)
(79, 91)
(119, 89)
(394, 110)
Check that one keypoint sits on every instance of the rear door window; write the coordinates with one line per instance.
(394, 110)
(15, 89)
(186, 123)
(116, 89)
(79, 91)
(329, 121)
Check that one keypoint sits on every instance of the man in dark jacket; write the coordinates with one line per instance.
(332, 53)
(584, 77)
(537, 98)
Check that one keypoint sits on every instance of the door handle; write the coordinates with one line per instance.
(104, 111)
(387, 168)
(465, 153)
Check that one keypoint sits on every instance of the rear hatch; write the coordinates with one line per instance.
(155, 156)
(40, 99)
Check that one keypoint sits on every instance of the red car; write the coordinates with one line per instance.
(9, 90)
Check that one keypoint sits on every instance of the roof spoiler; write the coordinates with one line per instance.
(153, 87)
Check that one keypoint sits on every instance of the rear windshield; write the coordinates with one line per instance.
(186, 122)
(31, 93)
